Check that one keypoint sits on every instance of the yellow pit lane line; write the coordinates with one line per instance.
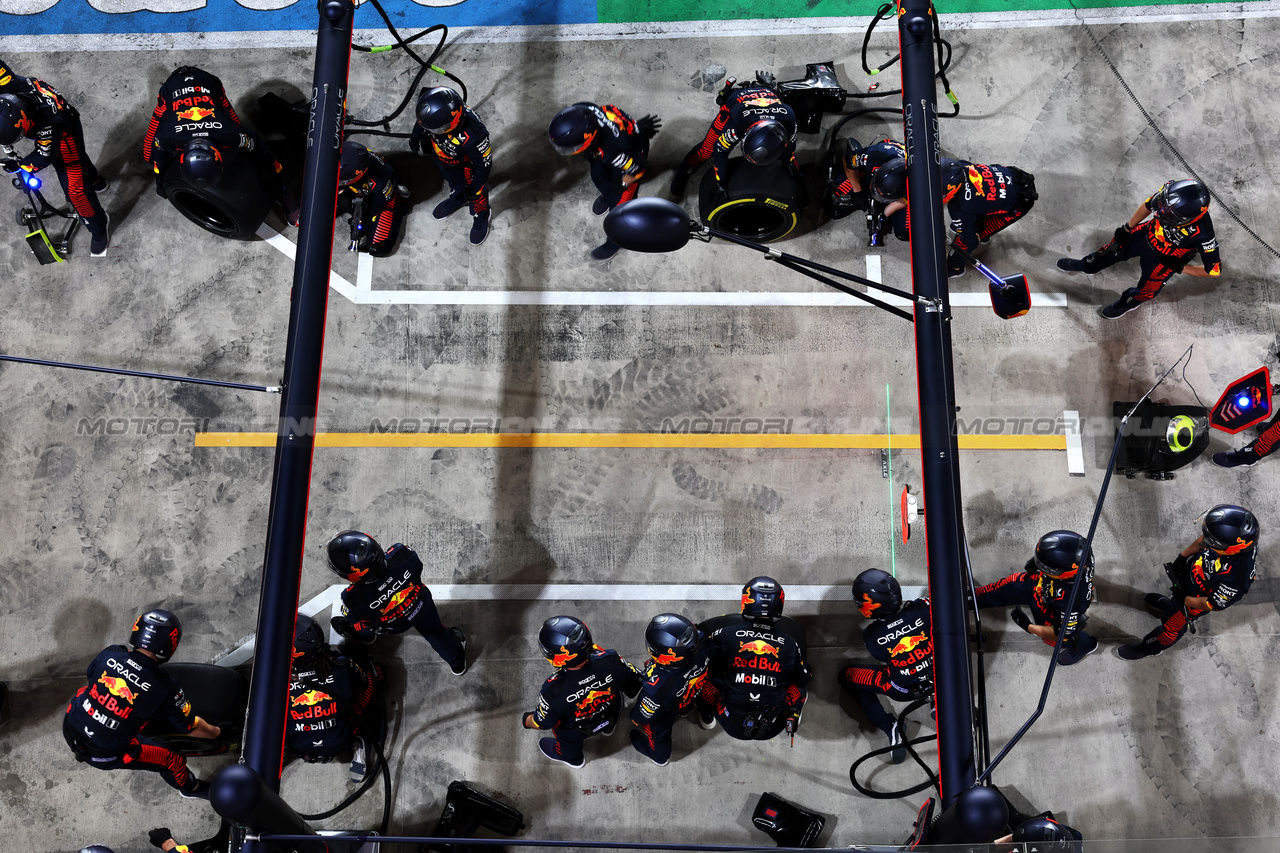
(811, 441)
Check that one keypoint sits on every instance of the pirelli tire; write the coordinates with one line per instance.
(234, 207)
(763, 204)
(217, 694)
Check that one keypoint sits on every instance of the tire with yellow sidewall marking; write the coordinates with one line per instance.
(763, 204)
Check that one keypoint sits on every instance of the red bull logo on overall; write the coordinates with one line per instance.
(907, 644)
(195, 114)
(760, 652)
(314, 704)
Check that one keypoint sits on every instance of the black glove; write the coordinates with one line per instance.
(836, 205)
(1021, 619)
(159, 836)
(649, 126)
(1176, 571)
(719, 195)
(1120, 240)
(766, 78)
(342, 625)
(415, 145)
(10, 164)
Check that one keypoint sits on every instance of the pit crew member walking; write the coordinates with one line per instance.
(1044, 585)
(386, 596)
(617, 147)
(1212, 573)
(584, 696)
(679, 658)
(1179, 226)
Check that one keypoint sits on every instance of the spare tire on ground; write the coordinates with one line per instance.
(234, 207)
(763, 204)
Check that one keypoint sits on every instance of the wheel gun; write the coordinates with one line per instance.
(357, 224)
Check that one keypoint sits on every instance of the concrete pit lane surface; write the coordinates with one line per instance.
(769, 415)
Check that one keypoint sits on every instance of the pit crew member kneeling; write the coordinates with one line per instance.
(329, 695)
(756, 687)
(901, 637)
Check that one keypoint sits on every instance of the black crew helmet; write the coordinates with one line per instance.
(356, 556)
(1229, 529)
(565, 641)
(955, 173)
(1179, 203)
(201, 161)
(764, 141)
(354, 163)
(878, 594)
(157, 631)
(573, 129)
(889, 180)
(15, 118)
(762, 598)
(308, 638)
(440, 109)
(1057, 553)
(1051, 834)
(852, 148)
(670, 638)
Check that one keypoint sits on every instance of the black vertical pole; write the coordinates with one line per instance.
(944, 543)
(282, 569)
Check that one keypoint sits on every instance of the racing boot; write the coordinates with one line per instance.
(601, 206)
(1119, 308)
(899, 753)
(1242, 458)
(1074, 652)
(1156, 603)
(550, 747)
(449, 206)
(1072, 265)
(98, 244)
(605, 251)
(461, 666)
(1138, 651)
(680, 180)
(479, 232)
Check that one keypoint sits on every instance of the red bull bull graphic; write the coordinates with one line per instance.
(195, 114)
(758, 647)
(396, 600)
(117, 699)
(593, 702)
(760, 652)
(313, 704)
(907, 644)
(667, 658)
(562, 658)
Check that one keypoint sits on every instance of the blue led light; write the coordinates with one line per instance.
(1243, 401)
(32, 181)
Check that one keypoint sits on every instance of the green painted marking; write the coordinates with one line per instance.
(646, 11)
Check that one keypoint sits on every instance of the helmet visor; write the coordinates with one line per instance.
(572, 147)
